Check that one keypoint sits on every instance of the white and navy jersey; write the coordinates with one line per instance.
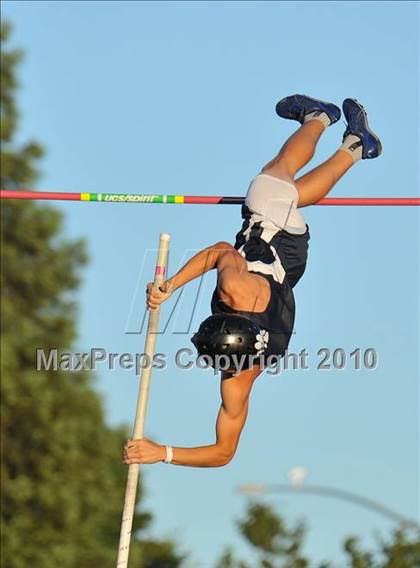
(271, 221)
(270, 251)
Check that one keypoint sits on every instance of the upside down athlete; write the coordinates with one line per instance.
(253, 305)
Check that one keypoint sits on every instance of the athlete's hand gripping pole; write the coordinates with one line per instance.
(138, 430)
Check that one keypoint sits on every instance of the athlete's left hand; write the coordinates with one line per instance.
(143, 451)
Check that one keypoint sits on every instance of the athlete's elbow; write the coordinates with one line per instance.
(214, 252)
(223, 246)
(224, 457)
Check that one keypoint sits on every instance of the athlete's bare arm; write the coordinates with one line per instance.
(237, 287)
(232, 415)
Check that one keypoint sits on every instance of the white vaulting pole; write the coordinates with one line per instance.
(138, 430)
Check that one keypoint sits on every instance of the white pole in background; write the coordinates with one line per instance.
(138, 430)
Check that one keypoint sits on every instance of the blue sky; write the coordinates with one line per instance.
(179, 97)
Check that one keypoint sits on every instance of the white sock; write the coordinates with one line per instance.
(353, 146)
(318, 115)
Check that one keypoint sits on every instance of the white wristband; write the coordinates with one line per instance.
(169, 454)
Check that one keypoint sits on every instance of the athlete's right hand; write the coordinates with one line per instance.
(155, 296)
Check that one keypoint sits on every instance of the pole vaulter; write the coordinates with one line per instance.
(253, 305)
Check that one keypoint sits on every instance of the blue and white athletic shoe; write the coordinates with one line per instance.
(296, 107)
(357, 124)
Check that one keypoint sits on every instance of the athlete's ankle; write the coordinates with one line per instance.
(318, 116)
(352, 145)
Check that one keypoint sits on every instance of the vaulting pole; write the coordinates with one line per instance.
(141, 410)
(192, 199)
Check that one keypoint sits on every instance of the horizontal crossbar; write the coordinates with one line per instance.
(192, 199)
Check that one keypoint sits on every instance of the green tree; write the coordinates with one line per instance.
(63, 479)
(275, 544)
(272, 538)
(401, 550)
(278, 546)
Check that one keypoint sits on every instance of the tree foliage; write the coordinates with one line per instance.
(62, 474)
(401, 550)
(18, 165)
(268, 533)
(276, 545)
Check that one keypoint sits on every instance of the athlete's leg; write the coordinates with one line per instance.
(315, 185)
(314, 116)
(359, 142)
(296, 152)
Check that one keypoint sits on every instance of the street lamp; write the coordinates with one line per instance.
(297, 476)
